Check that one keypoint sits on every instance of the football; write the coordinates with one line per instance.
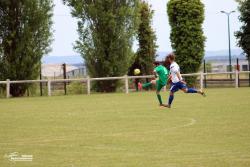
(137, 71)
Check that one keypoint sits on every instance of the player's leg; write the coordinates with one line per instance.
(159, 98)
(174, 88)
(159, 86)
(185, 89)
(189, 90)
(192, 90)
(137, 85)
(147, 85)
(170, 99)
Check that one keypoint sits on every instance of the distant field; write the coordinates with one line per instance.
(118, 130)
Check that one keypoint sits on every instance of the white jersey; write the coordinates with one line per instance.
(174, 69)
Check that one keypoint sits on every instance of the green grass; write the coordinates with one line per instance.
(118, 130)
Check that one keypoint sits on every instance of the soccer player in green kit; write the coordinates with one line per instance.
(163, 74)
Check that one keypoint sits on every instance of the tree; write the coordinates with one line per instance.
(106, 31)
(25, 36)
(146, 53)
(243, 35)
(186, 18)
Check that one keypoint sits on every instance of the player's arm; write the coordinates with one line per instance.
(179, 77)
(155, 73)
(169, 79)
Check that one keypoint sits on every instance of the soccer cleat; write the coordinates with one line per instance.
(139, 86)
(165, 105)
(203, 93)
(168, 106)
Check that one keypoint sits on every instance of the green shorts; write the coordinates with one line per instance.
(159, 85)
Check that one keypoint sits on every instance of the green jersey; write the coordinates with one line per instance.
(162, 73)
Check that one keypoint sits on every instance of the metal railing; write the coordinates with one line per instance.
(126, 78)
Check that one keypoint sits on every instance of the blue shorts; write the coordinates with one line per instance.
(176, 86)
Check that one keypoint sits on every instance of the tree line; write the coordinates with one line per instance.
(107, 30)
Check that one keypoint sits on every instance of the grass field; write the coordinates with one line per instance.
(118, 130)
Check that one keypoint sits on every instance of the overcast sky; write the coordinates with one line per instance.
(215, 26)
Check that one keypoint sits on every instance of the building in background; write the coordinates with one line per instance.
(55, 71)
(221, 63)
(217, 61)
(52, 67)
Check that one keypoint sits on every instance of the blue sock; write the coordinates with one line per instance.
(191, 90)
(170, 100)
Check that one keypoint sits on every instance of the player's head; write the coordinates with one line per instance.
(170, 58)
(156, 63)
(166, 64)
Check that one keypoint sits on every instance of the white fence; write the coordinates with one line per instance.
(125, 78)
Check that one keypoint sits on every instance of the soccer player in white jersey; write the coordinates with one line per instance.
(177, 81)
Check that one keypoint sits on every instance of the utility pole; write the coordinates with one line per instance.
(229, 40)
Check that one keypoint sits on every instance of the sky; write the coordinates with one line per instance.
(215, 27)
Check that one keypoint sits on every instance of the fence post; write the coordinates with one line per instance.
(201, 80)
(248, 70)
(236, 78)
(49, 87)
(8, 88)
(126, 84)
(238, 69)
(64, 77)
(205, 71)
(88, 85)
(41, 84)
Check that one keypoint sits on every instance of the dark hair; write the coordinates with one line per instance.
(166, 64)
(171, 57)
(156, 63)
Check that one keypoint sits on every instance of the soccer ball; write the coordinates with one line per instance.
(137, 71)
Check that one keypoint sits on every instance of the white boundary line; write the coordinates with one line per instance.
(191, 122)
(40, 141)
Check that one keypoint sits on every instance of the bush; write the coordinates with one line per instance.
(76, 88)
